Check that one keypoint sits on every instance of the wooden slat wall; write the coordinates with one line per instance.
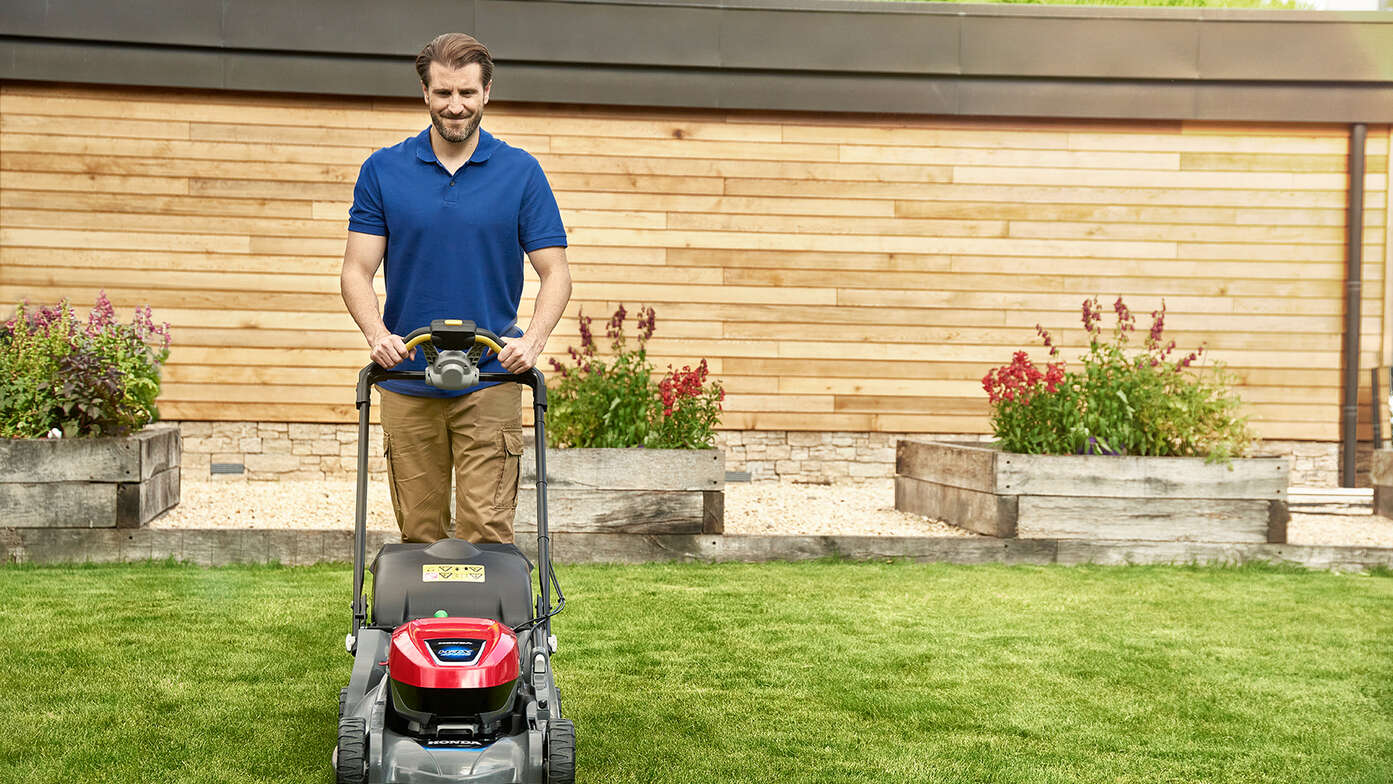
(839, 272)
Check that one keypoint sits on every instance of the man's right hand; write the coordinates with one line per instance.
(389, 350)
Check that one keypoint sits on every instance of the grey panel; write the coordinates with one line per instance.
(362, 26)
(726, 89)
(1295, 102)
(1076, 98)
(23, 17)
(891, 43)
(601, 33)
(838, 93)
(310, 73)
(97, 63)
(710, 88)
(146, 21)
(606, 85)
(1091, 48)
(1310, 51)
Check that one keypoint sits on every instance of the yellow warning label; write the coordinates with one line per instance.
(460, 573)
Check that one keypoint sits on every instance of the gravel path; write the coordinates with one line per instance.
(864, 508)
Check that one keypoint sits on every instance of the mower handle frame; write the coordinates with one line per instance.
(374, 374)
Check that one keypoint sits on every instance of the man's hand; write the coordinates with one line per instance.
(389, 350)
(519, 356)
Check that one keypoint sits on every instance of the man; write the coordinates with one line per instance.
(451, 211)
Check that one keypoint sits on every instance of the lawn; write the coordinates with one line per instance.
(815, 672)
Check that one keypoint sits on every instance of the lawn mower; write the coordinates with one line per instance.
(452, 678)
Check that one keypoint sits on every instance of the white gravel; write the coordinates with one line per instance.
(860, 508)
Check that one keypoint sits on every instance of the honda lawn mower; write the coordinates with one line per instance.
(452, 678)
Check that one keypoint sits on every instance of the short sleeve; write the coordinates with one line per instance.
(539, 219)
(366, 215)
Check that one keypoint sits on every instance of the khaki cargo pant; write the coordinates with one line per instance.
(480, 436)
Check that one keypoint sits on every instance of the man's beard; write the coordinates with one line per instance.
(456, 137)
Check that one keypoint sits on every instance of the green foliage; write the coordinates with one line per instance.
(690, 409)
(616, 403)
(95, 379)
(1144, 404)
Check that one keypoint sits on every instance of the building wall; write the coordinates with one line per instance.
(841, 273)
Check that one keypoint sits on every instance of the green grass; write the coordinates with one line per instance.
(821, 672)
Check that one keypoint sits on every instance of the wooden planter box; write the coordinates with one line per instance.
(1167, 499)
(637, 491)
(89, 482)
(1381, 477)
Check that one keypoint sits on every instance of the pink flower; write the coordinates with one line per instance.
(1049, 342)
(1158, 325)
(1124, 316)
(103, 315)
(647, 322)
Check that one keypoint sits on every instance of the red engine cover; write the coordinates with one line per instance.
(453, 653)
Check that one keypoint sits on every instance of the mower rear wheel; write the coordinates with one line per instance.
(561, 752)
(351, 762)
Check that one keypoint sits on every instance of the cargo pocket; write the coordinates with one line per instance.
(505, 494)
(392, 478)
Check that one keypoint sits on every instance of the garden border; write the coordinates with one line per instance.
(217, 547)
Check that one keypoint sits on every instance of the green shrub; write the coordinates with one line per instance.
(1145, 404)
(618, 404)
(100, 378)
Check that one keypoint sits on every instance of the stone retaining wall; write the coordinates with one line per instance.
(279, 450)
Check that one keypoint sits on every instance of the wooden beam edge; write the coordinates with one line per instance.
(216, 547)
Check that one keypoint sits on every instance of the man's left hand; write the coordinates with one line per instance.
(519, 356)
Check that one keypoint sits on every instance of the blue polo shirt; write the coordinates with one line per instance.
(455, 244)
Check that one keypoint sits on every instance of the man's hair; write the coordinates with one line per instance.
(454, 50)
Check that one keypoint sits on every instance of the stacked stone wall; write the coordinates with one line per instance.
(276, 450)
(279, 450)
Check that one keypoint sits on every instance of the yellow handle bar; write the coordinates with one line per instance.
(419, 339)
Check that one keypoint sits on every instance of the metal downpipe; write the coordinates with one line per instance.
(1354, 275)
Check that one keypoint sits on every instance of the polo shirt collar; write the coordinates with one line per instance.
(482, 152)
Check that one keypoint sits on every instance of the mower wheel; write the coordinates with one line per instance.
(561, 752)
(351, 762)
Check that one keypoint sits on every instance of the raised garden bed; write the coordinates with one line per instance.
(89, 482)
(634, 491)
(1163, 499)
(1381, 477)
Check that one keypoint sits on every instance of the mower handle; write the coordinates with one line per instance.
(423, 334)
(373, 374)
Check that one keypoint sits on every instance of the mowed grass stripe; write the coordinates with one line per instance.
(833, 672)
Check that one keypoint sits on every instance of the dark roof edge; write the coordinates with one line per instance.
(806, 55)
(948, 8)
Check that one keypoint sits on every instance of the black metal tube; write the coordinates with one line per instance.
(1354, 275)
(539, 417)
(1374, 412)
(360, 508)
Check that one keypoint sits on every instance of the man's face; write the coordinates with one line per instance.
(456, 98)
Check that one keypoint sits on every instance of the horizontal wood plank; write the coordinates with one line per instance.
(615, 511)
(629, 469)
(1142, 477)
(58, 504)
(1165, 520)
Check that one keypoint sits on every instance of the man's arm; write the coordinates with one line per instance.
(520, 355)
(361, 258)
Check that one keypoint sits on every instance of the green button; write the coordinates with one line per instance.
(441, 614)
